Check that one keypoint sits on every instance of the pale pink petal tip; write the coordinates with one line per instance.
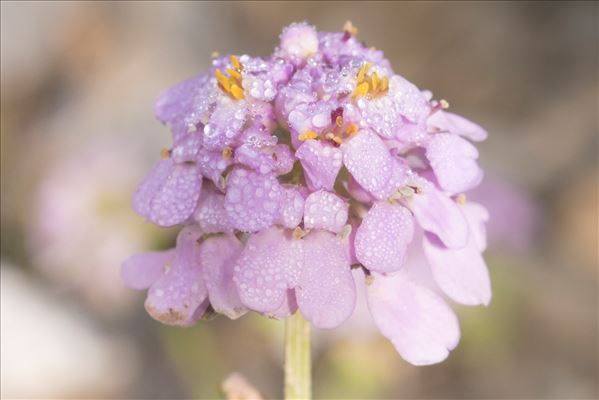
(419, 323)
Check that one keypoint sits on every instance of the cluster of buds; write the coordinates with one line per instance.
(300, 176)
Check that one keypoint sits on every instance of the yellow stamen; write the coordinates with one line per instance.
(307, 136)
(461, 199)
(231, 84)
(384, 84)
(234, 74)
(351, 129)
(227, 153)
(237, 92)
(338, 140)
(444, 104)
(339, 121)
(235, 62)
(361, 89)
(298, 233)
(223, 80)
(374, 81)
(165, 153)
(350, 28)
(329, 136)
(362, 72)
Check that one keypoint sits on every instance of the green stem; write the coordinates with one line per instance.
(298, 382)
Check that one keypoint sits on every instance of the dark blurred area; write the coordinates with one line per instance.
(78, 133)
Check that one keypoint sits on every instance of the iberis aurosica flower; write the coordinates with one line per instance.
(287, 173)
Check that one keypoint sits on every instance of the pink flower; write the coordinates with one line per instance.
(184, 282)
(290, 171)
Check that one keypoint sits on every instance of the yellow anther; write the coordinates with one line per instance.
(227, 153)
(165, 153)
(298, 233)
(338, 140)
(223, 80)
(351, 129)
(235, 62)
(384, 84)
(234, 74)
(231, 84)
(329, 136)
(362, 72)
(237, 92)
(350, 28)
(461, 199)
(444, 104)
(374, 81)
(339, 121)
(361, 89)
(307, 136)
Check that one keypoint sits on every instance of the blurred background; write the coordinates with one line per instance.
(78, 133)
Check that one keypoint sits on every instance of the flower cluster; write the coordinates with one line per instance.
(299, 175)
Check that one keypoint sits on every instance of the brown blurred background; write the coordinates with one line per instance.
(77, 134)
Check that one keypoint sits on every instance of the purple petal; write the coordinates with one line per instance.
(321, 164)
(255, 158)
(287, 308)
(212, 165)
(140, 271)
(461, 273)
(226, 123)
(277, 159)
(400, 174)
(325, 210)
(169, 194)
(217, 256)
(184, 105)
(268, 266)
(437, 213)
(252, 200)
(448, 122)
(412, 133)
(408, 99)
(152, 183)
(358, 192)
(291, 211)
(284, 159)
(210, 213)
(391, 115)
(421, 326)
(368, 161)
(186, 148)
(298, 41)
(383, 236)
(326, 293)
(178, 297)
(477, 217)
(257, 135)
(453, 160)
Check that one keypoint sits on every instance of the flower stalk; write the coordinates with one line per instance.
(298, 382)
